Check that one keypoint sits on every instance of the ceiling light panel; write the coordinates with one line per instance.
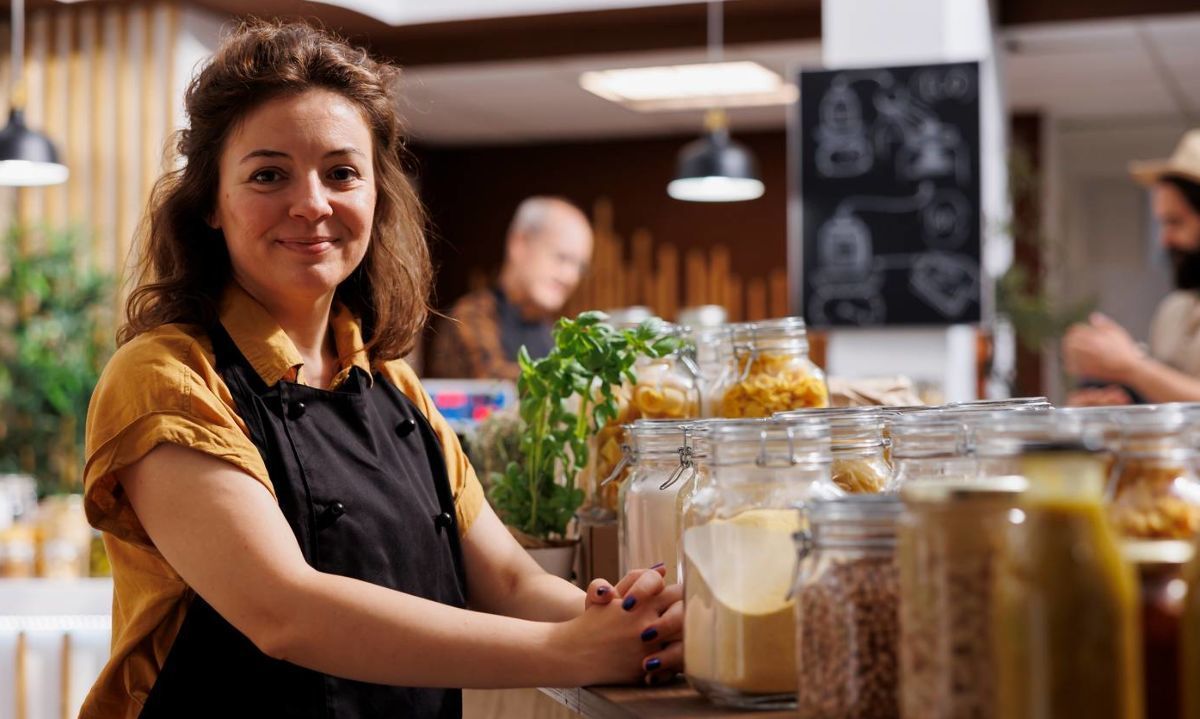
(695, 86)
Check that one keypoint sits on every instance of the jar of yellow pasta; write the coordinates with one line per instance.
(666, 387)
(860, 462)
(767, 370)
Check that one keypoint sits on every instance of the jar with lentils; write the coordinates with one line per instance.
(847, 603)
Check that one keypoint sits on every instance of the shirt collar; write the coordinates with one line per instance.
(270, 351)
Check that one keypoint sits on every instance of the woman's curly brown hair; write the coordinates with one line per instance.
(183, 264)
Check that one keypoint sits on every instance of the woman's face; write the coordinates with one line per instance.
(296, 197)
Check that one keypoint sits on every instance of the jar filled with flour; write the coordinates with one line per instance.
(739, 559)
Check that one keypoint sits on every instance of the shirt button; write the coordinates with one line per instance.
(406, 427)
(296, 410)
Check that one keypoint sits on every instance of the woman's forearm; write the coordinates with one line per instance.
(357, 630)
(1158, 382)
(545, 597)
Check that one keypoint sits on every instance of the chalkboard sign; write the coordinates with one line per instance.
(889, 184)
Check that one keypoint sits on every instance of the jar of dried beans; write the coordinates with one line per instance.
(847, 598)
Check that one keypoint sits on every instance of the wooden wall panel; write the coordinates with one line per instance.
(100, 86)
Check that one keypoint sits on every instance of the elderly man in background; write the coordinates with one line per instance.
(548, 249)
(1103, 353)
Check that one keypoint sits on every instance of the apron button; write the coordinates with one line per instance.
(443, 521)
(406, 427)
(296, 409)
(336, 509)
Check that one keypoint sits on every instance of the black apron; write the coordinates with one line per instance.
(361, 479)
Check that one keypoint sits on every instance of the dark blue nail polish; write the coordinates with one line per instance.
(649, 634)
(601, 591)
(628, 603)
(660, 565)
(653, 664)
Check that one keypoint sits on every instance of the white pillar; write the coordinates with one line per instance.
(865, 33)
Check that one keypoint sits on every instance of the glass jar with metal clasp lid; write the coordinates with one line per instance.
(1154, 488)
(739, 618)
(1066, 602)
(767, 370)
(648, 531)
(857, 443)
(847, 609)
(929, 445)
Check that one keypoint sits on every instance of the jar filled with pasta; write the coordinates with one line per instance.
(648, 530)
(666, 387)
(1066, 602)
(767, 370)
(1155, 490)
(860, 463)
(738, 614)
(928, 445)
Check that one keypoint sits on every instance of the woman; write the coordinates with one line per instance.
(1103, 352)
(293, 529)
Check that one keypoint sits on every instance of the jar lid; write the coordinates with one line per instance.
(1158, 551)
(928, 434)
(850, 428)
(750, 334)
(933, 491)
(854, 507)
(1011, 433)
(991, 404)
(777, 442)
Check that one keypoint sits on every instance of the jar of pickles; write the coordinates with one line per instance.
(928, 445)
(1154, 486)
(847, 599)
(767, 370)
(860, 463)
(1066, 602)
(949, 539)
(648, 532)
(738, 614)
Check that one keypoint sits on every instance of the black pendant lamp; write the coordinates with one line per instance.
(715, 168)
(27, 157)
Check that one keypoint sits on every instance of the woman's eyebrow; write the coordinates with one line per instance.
(264, 152)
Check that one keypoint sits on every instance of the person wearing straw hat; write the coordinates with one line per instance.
(1168, 370)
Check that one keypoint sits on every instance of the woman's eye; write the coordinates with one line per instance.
(265, 177)
(343, 174)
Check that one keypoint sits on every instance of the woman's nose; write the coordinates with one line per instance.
(310, 201)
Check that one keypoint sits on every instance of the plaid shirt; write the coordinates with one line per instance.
(467, 343)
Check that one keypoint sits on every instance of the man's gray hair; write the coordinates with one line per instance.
(533, 214)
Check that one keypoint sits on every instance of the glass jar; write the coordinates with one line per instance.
(847, 604)
(1190, 639)
(705, 343)
(767, 370)
(1066, 602)
(738, 615)
(928, 445)
(948, 539)
(860, 463)
(666, 387)
(648, 531)
(1160, 569)
(1154, 488)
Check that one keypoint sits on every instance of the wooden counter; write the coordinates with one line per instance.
(672, 701)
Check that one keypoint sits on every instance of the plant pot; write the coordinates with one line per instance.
(557, 560)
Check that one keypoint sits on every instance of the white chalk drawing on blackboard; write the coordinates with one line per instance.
(945, 221)
(843, 146)
(846, 147)
(847, 283)
(936, 85)
(946, 282)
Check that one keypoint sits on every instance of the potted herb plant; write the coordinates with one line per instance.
(564, 397)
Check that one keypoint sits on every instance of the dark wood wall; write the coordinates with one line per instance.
(471, 193)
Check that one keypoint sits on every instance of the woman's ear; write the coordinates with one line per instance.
(212, 221)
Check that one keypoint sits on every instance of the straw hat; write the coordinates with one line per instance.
(1184, 162)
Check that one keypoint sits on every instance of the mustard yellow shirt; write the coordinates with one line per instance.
(163, 387)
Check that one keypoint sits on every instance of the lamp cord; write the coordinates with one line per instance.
(18, 54)
(716, 30)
